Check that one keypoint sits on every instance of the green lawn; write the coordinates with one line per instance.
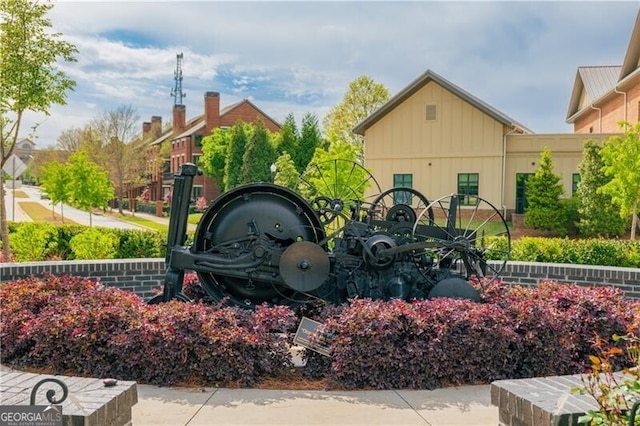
(140, 221)
(39, 213)
(194, 218)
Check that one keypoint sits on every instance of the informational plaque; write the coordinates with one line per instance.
(321, 342)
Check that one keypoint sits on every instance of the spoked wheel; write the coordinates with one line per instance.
(253, 222)
(335, 189)
(464, 232)
(399, 205)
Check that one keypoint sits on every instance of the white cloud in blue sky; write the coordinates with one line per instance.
(299, 57)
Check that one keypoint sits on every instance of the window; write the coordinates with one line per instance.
(402, 181)
(197, 139)
(431, 113)
(575, 180)
(196, 159)
(521, 192)
(196, 192)
(467, 188)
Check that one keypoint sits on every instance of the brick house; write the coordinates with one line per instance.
(185, 139)
(604, 95)
(186, 144)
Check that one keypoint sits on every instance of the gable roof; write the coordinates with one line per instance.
(632, 57)
(419, 83)
(197, 124)
(594, 84)
(230, 108)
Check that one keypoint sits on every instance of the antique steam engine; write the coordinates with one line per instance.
(263, 243)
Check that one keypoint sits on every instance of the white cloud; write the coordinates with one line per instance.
(520, 57)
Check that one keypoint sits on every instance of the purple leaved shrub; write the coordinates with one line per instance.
(75, 326)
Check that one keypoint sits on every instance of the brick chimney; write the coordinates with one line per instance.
(211, 112)
(179, 119)
(156, 125)
(146, 127)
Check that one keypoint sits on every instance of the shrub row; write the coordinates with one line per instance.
(43, 241)
(74, 325)
(593, 251)
(515, 333)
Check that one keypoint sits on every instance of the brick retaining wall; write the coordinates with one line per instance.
(146, 276)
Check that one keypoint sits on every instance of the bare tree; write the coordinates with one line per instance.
(112, 140)
(70, 139)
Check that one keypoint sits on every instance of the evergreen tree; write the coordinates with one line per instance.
(310, 139)
(599, 216)
(240, 133)
(544, 209)
(258, 157)
(287, 174)
(289, 137)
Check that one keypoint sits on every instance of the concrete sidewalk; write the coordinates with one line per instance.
(456, 406)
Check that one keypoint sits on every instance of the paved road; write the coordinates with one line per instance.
(70, 213)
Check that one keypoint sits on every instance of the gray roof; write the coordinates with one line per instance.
(419, 83)
(598, 80)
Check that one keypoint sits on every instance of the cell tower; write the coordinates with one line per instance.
(176, 92)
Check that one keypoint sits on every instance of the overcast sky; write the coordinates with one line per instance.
(298, 57)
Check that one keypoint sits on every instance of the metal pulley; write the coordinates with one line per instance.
(304, 266)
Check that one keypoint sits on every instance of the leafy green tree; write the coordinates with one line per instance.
(599, 216)
(240, 134)
(214, 153)
(310, 139)
(289, 137)
(55, 183)
(363, 97)
(89, 184)
(544, 209)
(258, 156)
(287, 175)
(30, 80)
(621, 156)
(332, 173)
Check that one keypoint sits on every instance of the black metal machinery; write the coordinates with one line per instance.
(263, 243)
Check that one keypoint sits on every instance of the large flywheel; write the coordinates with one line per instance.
(256, 222)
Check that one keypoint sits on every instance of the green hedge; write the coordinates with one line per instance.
(43, 241)
(594, 251)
